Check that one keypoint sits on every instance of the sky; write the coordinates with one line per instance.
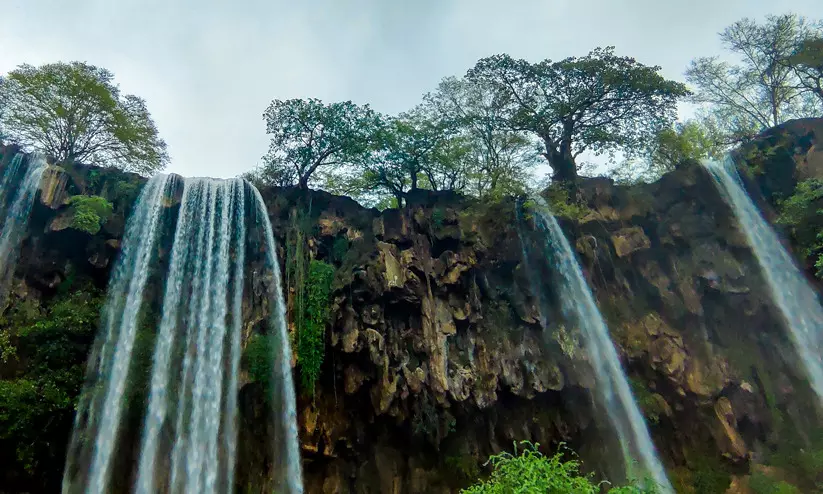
(208, 68)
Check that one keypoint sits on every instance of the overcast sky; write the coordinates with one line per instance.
(209, 68)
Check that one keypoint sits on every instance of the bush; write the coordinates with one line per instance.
(37, 405)
(529, 472)
(89, 213)
(801, 213)
(762, 484)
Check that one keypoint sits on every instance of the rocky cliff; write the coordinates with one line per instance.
(445, 342)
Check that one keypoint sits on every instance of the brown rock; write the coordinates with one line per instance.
(628, 240)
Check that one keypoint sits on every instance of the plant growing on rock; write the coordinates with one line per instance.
(89, 213)
(530, 472)
(311, 341)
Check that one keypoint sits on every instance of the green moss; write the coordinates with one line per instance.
(649, 403)
(339, 248)
(89, 213)
(257, 358)
(437, 217)
(465, 466)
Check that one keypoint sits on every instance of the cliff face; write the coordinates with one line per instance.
(446, 343)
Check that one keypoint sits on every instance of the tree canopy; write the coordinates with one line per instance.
(807, 63)
(761, 90)
(75, 112)
(599, 103)
(310, 138)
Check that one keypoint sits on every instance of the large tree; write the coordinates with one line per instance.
(312, 138)
(598, 103)
(760, 90)
(75, 112)
(499, 159)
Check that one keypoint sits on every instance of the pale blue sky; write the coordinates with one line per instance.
(208, 68)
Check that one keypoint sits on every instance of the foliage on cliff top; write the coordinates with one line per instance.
(530, 472)
(802, 214)
(89, 213)
(75, 112)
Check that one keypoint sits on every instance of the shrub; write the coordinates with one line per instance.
(37, 405)
(89, 213)
(529, 472)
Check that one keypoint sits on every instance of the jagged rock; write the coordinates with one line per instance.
(53, 187)
(629, 240)
(732, 444)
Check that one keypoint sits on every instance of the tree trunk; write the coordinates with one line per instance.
(562, 163)
(304, 181)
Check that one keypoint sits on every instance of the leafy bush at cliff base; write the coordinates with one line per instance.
(89, 213)
(801, 213)
(37, 405)
(311, 337)
(529, 472)
(759, 483)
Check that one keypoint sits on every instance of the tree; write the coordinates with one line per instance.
(598, 103)
(311, 137)
(407, 154)
(760, 91)
(807, 63)
(500, 159)
(683, 143)
(75, 112)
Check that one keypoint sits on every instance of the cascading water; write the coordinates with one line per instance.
(579, 307)
(797, 301)
(189, 437)
(97, 419)
(17, 195)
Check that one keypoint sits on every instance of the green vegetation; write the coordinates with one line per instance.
(773, 83)
(257, 358)
(598, 103)
(37, 403)
(802, 213)
(760, 483)
(75, 112)
(311, 343)
(647, 401)
(310, 284)
(563, 204)
(529, 472)
(89, 213)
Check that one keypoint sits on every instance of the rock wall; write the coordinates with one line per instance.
(446, 344)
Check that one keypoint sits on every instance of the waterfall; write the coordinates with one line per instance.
(97, 420)
(17, 195)
(579, 307)
(189, 435)
(796, 299)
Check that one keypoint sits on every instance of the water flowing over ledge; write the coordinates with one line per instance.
(612, 387)
(797, 301)
(189, 436)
